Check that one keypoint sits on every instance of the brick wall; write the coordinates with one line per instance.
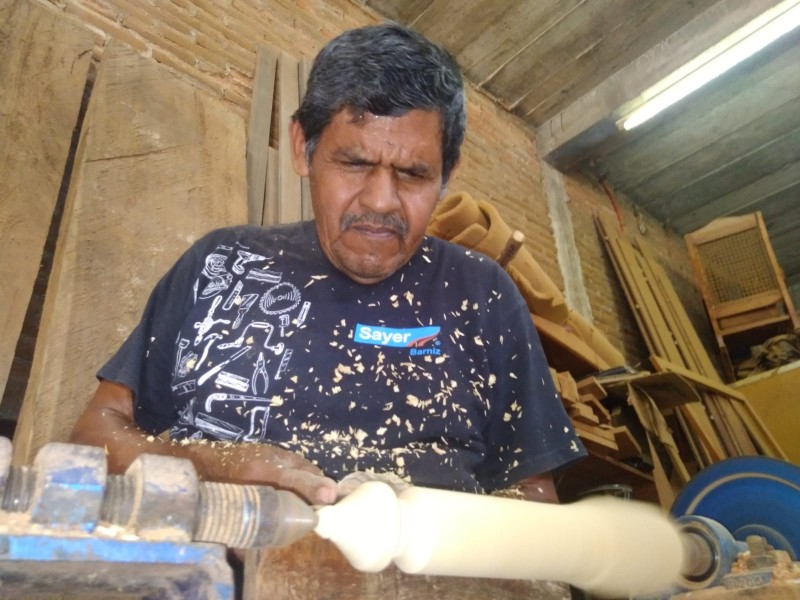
(214, 41)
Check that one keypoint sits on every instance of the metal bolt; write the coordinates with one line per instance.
(761, 553)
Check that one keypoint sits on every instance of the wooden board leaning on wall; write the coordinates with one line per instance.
(722, 424)
(37, 117)
(150, 177)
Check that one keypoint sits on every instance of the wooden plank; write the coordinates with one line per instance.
(582, 413)
(656, 427)
(700, 360)
(682, 347)
(664, 366)
(668, 390)
(738, 429)
(258, 132)
(700, 454)
(567, 387)
(306, 208)
(148, 179)
(596, 439)
(721, 426)
(748, 304)
(648, 318)
(608, 233)
(37, 117)
(597, 407)
(644, 289)
(271, 214)
(566, 351)
(290, 209)
(667, 492)
(766, 442)
(628, 446)
(597, 470)
(591, 387)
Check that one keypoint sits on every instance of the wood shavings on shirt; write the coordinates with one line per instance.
(315, 278)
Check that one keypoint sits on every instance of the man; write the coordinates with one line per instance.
(353, 343)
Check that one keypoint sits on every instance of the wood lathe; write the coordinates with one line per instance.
(70, 529)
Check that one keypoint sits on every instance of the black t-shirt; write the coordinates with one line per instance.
(435, 373)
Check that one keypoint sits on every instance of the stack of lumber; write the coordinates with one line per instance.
(594, 424)
(714, 420)
(618, 444)
(571, 343)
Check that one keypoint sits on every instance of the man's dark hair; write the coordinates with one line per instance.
(386, 70)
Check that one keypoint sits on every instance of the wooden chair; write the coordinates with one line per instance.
(743, 287)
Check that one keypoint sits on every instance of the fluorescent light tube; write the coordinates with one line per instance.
(715, 61)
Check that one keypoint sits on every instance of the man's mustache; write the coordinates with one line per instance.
(390, 221)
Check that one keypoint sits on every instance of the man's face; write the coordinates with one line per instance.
(374, 184)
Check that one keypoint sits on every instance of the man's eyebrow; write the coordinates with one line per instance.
(356, 157)
(350, 155)
(419, 169)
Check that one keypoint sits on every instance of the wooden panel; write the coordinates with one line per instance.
(290, 207)
(151, 175)
(37, 116)
(773, 396)
(258, 133)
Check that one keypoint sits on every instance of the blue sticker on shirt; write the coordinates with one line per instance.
(394, 337)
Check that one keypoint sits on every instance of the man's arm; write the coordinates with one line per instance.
(108, 422)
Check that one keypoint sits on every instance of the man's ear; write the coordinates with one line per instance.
(298, 140)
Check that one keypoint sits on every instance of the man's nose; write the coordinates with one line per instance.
(380, 192)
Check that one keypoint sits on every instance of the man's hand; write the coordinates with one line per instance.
(262, 464)
(108, 422)
(353, 481)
